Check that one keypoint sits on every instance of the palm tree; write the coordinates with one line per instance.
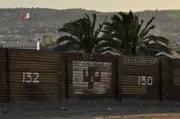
(82, 35)
(126, 33)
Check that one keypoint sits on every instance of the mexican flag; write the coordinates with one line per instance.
(27, 15)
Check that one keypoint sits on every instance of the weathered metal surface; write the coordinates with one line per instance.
(93, 76)
(173, 92)
(34, 75)
(38, 75)
(139, 78)
(165, 75)
(3, 76)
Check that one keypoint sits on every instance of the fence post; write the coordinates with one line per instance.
(170, 79)
(117, 78)
(60, 73)
(66, 77)
(7, 71)
(160, 82)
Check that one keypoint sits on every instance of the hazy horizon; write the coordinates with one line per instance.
(86, 9)
(102, 6)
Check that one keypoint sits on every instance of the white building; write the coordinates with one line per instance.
(22, 45)
(39, 38)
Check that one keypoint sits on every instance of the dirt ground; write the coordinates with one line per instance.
(145, 116)
(91, 109)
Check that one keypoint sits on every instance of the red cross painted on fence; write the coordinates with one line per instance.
(91, 78)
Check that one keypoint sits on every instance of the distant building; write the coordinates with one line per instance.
(22, 45)
(48, 39)
(39, 38)
(45, 39)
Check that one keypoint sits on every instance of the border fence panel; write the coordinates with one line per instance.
(91, 76)
(165, 74)
(34, 75)
(174, 80)
(139, 78)
(3, 75)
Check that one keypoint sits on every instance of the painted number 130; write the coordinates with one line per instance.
(145, 80)
(29, 77)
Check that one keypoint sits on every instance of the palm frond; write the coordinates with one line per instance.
(67, 46)
(66, 38)
(158, 48)
(158, 39)
(93, 23)
(110, 44)
(106, 49)
(148, 23)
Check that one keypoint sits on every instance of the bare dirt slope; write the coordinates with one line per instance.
(92, 109)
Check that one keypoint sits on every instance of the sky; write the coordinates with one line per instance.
(98, 5)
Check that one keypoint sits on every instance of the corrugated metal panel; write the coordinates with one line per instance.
(3, 76)
(91, 77)
(34, 75)
(165, 78)
(139, 78)
(174, 80)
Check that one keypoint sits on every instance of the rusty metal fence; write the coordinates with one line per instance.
(40, 76)
(91, 76)
(172, 84)
(34, 75)
(4, 75)
(139, 78)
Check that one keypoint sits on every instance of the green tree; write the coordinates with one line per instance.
(126, 33)
(81, 35)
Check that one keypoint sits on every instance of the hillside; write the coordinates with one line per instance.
(49, 20)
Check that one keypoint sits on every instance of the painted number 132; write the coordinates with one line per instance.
(29, 77)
